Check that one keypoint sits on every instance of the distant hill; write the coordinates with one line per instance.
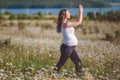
(51, 3)
(112, 1)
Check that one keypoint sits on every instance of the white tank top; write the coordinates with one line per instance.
(69, 36)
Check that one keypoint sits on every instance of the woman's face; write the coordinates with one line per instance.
(67, 14)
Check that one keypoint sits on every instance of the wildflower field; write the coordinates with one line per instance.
(29, 50)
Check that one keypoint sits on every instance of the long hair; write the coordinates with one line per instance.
(61, 17)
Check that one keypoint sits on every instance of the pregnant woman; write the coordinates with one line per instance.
(70, 41)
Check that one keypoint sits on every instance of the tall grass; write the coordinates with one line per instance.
(26, 60)
(34, 56)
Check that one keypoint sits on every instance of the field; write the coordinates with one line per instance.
(29, 50)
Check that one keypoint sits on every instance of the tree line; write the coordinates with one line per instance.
(113, 16)
(51, 3)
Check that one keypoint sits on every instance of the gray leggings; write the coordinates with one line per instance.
(68, 52)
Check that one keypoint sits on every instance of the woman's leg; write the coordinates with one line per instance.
(75, 58)
(65, 54)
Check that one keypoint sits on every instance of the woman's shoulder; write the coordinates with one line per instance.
(68, 25)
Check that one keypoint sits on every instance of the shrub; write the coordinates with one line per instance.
(91, 15)
(4, 24)
(5, 42)
(21, 25)
(117, 33)
(11, 17)
(22, 16)
(98, 15)
(46, 26)
(39, 14)
(109, 37)
(7, 13)
(11, 23)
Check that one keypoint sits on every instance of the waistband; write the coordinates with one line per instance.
(67, 45)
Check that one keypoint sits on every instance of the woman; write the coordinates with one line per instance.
(70, 41)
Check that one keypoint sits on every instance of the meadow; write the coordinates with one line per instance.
(29, 50)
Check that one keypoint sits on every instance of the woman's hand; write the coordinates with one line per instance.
(80, 9)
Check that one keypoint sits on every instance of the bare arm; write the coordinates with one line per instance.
(79, 18)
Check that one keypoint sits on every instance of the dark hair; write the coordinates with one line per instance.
(61, 17)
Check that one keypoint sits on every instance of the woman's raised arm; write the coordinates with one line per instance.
(79, 18)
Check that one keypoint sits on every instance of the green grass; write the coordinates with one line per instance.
(17, 59)
(28, 58)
